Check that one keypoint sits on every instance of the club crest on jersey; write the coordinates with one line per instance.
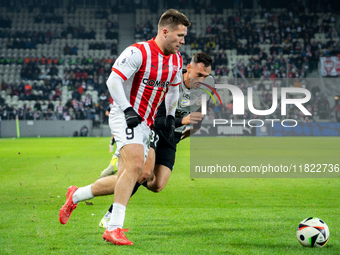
(199, 102)
(175, 68)
(154, 83)
(185, 102)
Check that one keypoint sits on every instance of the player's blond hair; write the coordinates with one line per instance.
(172, 18)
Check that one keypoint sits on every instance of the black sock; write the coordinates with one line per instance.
(135, 188)
(110, 209)
(133, 192)
(113, 141)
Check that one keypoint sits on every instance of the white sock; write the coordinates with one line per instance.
(117, 216)
(83, 193)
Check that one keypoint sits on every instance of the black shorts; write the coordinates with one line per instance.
(165, 153)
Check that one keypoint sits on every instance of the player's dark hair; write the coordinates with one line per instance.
(172, 18)
(201, 57)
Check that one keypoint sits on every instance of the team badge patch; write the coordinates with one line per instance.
(199, 102)
(123, 62)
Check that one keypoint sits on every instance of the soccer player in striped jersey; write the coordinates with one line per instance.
(143, 76)
(161, 157)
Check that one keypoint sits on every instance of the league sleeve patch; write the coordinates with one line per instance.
(123, 61)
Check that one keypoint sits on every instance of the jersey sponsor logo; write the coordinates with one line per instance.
(185, 102)
(154, 83)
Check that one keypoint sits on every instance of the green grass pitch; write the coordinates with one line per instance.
(190, 216)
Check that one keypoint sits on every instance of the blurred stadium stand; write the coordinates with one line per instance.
(59, 53)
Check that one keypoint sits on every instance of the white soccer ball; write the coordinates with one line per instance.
(312, 232)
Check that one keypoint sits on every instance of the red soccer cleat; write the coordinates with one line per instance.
(68, 207)
(117, 237)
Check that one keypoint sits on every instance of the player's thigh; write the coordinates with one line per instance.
(150, 160)
(124, 135)
(132, 156)
(164, 163)
(165, 154)
(121, 166)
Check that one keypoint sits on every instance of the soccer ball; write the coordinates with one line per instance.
(312, 232)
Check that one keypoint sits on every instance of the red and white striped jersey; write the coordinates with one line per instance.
(147, 73)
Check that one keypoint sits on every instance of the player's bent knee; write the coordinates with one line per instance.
(135, 165)
(133, 157)
(138, 166)
(156, 188)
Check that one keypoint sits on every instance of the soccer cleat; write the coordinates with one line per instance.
(117, 237)
(104, 223)
(111, 169)
(68, 207)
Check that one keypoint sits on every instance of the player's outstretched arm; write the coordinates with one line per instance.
(171, 100)
(194, 118)
(125, 66)
(115, 85)
(160, 118)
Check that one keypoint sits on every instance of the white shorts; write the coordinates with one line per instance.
(124, 135)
